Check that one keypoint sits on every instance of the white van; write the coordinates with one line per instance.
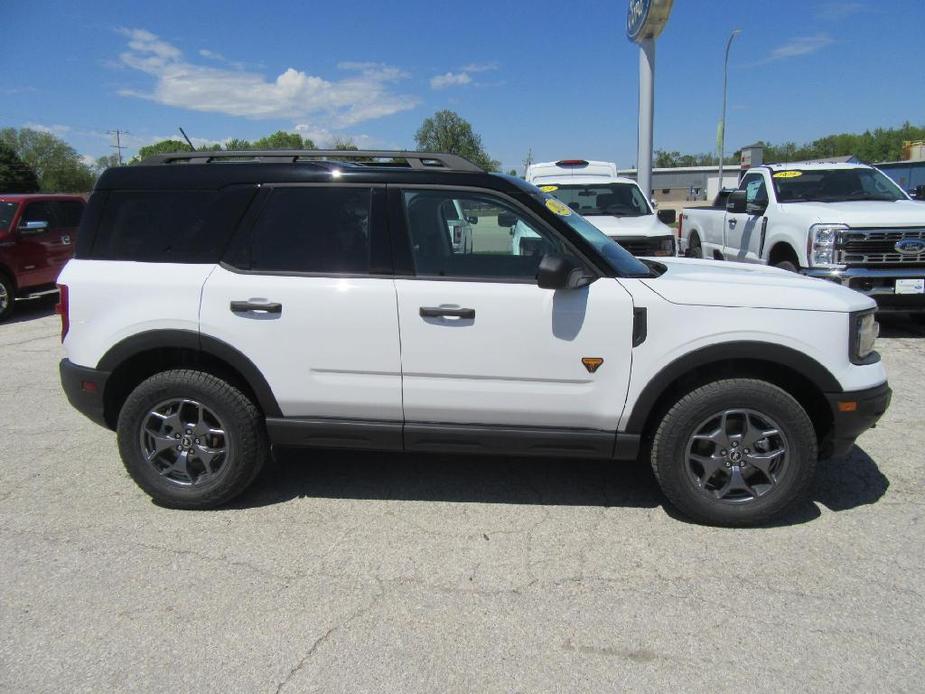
(615, 205)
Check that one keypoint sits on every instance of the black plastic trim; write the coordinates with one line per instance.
(500, 440)
(89, 404)
(806, 366)
(206, 344)
(847, 426)
(640, 325)
(322, 432)
(853, 327)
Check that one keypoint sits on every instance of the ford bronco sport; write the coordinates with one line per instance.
(219, 303)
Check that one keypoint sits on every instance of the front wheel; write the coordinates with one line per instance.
(694, 250)
(191, 440)
(735, 452)
(787, 265)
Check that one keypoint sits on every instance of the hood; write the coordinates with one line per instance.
(696, 282)
(861, 213)
(645, 225)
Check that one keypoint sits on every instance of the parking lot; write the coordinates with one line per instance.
(373, 572)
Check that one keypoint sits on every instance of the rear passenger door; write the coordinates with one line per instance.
(305, 294)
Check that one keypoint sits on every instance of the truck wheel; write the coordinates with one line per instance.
(191, 440)
(694, 250)
(735, 452)
(787, 265)
(7, 297)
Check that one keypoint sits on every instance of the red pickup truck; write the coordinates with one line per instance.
(37, 234)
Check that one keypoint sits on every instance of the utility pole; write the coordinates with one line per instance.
(721, 131)
(528, 161)
(118, 146)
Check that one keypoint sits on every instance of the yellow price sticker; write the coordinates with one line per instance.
(788, 174)
(559, 207)
(549, 189)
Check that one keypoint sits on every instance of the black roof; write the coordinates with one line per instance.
(215, 170)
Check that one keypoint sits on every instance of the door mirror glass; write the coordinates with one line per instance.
(736, 202)
(667, 216)
(35, 227)
(756, 208)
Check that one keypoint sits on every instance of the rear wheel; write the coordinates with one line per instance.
(695, 250)
(7, 296)
(735, 452)
(191, 440)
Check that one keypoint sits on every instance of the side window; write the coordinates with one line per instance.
(484, 237)
(38, 212)
(158, 226)
(755, 188)
(313, 229)
(69, 213)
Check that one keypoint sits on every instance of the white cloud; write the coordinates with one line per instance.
(363, 94)
(449, 79)
(834, 11)
(802, 45)
(462, 77)
(55, 129)
(212, 55)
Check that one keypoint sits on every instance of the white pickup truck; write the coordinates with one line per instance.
(848, 223)
(615, 205)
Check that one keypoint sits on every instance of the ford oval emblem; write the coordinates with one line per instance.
(911, 246)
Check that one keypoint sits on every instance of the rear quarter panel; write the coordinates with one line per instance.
(112, 300)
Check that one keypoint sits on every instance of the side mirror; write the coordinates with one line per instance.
(556, 272)
(506, 219)
(736, 202)
(667, 216)
(33, 227)
(472, 219)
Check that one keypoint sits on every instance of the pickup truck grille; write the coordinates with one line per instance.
(878, 247)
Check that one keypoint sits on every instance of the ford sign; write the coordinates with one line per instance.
(910, 246)
(645, 19)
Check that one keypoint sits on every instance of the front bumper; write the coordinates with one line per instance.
(877, 283)
(84, 388)
(853, 413)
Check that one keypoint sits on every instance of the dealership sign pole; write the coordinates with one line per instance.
(645, 20)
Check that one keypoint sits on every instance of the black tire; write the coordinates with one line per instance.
(699, 501)
(246, 447)
(694, 250)
(787, 265)
(7, 297)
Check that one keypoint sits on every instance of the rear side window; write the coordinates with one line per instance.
(313, 229)
(69, 213)
(175, 226)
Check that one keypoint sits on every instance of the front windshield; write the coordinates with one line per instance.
(597, 199)
(834, 185)
(621, 260)
(7, 210)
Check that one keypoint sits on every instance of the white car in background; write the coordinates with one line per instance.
(615, 205)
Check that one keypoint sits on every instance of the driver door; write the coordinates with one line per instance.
(743, 230)
(481, 343)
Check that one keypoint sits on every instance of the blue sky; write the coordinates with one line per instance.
(558, 77)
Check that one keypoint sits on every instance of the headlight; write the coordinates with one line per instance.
(822, 242)
(863, 334)
(665, 246)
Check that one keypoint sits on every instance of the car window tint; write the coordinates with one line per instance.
(40, 211)
(490, 239)
(68, 213)
(313, 229)
(158, 226)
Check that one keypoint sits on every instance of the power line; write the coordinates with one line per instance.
(118, 146)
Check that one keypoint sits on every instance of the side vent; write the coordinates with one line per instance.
(640, 326)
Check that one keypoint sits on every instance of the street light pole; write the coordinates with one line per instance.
(721, 135)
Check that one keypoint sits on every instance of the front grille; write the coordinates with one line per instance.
(878, 247)
(638, 245)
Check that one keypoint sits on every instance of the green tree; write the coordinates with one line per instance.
(15, 175)
(236, 144)
(162, 147)
(105, 162)
(56, 164)
(283, 140)
(447, 131)
(344, 144)
(512, 172)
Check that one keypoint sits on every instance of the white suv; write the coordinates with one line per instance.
(220, 303)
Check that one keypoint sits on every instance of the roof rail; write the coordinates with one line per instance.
(415, 160)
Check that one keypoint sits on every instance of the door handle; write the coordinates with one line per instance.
(261, 306)
(732, 224)
(437, 311)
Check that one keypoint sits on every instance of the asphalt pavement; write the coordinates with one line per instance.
(350, 572)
